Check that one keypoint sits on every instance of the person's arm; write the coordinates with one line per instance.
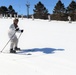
(18, 30)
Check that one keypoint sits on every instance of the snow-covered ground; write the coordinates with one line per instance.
(51, 45)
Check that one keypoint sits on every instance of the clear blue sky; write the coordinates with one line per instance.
(20, 5)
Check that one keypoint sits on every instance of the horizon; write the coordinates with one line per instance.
(21, 8)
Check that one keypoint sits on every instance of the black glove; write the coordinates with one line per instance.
(22, 31)
(17, 29)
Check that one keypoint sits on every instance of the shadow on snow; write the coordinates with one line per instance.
(44, 50)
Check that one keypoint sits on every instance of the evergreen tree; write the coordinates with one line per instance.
(10, 9)
(3, 9)
(72, 7)
(71, 10)
(59, 8)
(40, 11)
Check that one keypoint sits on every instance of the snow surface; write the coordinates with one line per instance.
(48, 48)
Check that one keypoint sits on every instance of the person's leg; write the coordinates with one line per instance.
(12, 43)
(11, 47)
(16, 44)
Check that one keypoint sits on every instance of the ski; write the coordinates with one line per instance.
(17, 52)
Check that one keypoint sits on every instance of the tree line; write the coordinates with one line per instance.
(60, 12)
(7, 10)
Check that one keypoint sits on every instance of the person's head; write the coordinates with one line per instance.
(15, 21)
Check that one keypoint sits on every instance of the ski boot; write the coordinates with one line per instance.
(17, 49)
(12, 51)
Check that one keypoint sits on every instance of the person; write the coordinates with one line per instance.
(69, 18)
(49, 18)
(13, 38)
(32, 17)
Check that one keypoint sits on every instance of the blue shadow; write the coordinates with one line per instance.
(44, 50)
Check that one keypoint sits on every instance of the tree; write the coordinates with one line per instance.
(10, 9)
(71, 10)
(59, 11)
(40, 11)
(72, 7)
(59, 8)
(3, 9)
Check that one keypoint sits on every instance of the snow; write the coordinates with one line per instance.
(48, 48)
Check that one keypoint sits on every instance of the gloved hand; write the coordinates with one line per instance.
(17, 29)
(22, 31)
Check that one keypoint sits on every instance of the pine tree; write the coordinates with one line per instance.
(10, 9)
(72, 7)
(3, 9)
(59, 8)
(40, 11)
(71, 10)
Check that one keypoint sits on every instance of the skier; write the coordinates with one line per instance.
(11, 33)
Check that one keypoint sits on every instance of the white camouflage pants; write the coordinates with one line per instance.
(14, 42)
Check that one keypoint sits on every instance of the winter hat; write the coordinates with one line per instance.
(16, 20)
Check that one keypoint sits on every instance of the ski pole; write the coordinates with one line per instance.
(7, 42)
(19, 35)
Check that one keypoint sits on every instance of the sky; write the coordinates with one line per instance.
(20, 5)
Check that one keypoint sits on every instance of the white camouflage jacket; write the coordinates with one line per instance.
(12, 31)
